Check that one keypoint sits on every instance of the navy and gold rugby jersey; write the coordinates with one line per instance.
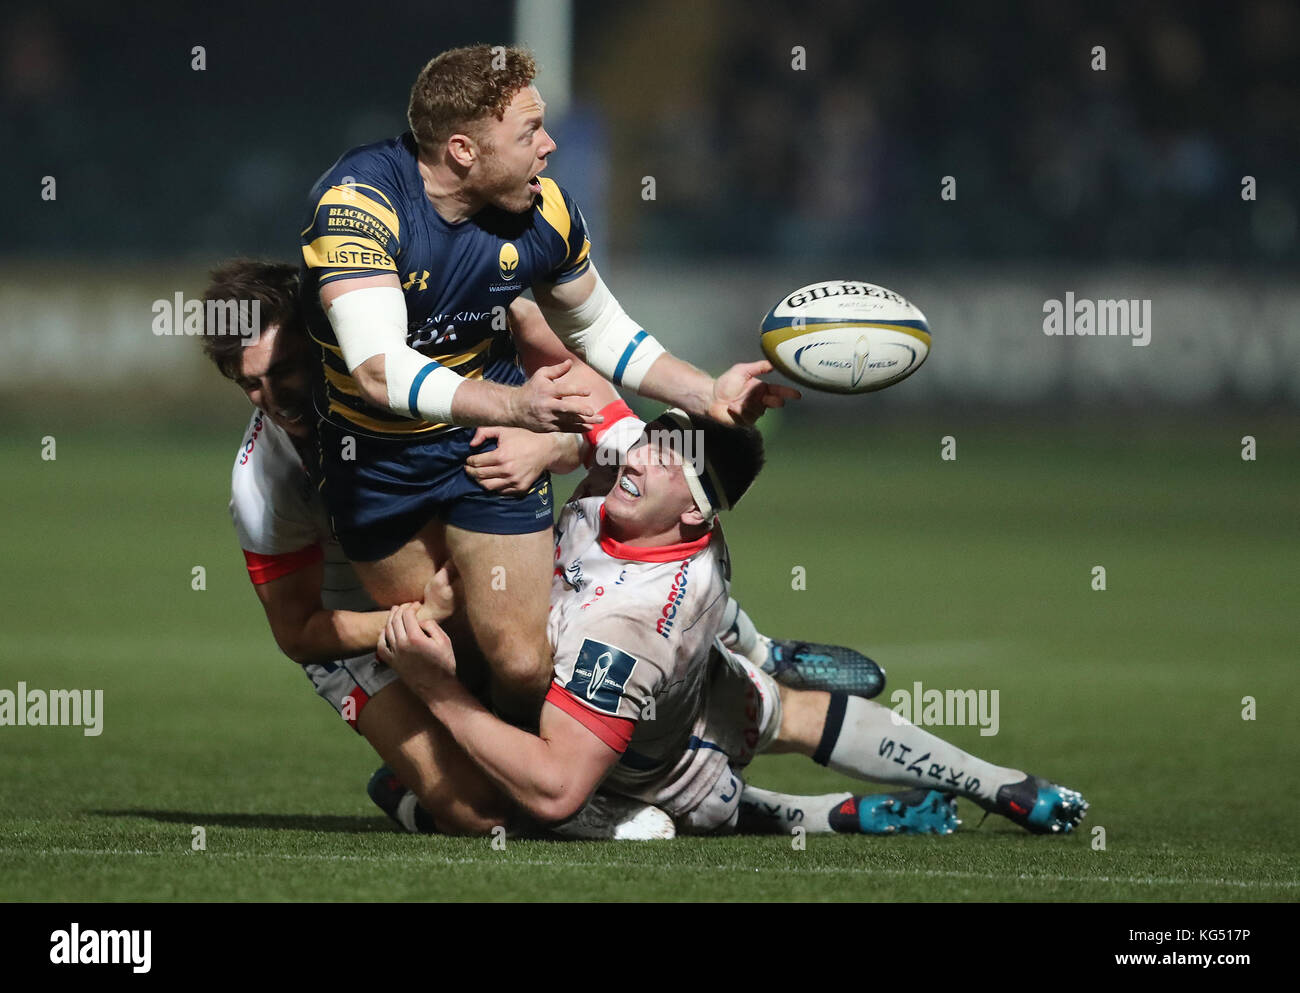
(370, 215)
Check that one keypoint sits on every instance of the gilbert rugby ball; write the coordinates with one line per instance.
(843, 336)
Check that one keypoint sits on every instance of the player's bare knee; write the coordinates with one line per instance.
(803, 719)
(385, 590)
(525, 675)
(520, 663)
(399, 578)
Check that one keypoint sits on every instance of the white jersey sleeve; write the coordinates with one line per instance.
(610, 666)
(278, 517)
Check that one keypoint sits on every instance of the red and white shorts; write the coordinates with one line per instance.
(348, 685)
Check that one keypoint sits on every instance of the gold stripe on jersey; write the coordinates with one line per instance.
(342, 382)
(473, 358)
(334, 274)
(361, 420)
(582, 255)
(347, 253)
(400, 425)
(351, 197)
(465, 356)
(325, 344)
(554, 212)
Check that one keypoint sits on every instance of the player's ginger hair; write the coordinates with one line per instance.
(463, 86)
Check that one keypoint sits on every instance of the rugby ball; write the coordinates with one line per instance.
(844, 336)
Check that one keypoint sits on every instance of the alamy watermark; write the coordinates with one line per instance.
(1098, 318)
(687, 445)
(53, 708)
(102, 947)
(179, 316)
(946, 708)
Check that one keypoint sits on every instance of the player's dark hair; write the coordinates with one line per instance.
(463, 86)
(274, 285)
(734, 453)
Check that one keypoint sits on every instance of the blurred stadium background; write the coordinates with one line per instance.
(1124, 183)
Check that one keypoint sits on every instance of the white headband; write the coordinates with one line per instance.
(708, 503)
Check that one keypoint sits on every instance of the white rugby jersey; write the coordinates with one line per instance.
(632, 630)
(280, 518)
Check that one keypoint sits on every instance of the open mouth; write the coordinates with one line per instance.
(535, 185)
(628, 487)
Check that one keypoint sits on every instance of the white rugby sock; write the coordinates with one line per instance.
(869, 741)
(406, 812)
(768, 812)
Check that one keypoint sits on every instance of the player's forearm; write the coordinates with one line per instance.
(471, 403)
(519, 763)
(567, 453)
(671, 380)
(328, 635)
(479, 403)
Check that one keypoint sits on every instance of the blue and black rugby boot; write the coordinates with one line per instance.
(909, 812)
(1039, 805)
(806, 665)
(399, 803)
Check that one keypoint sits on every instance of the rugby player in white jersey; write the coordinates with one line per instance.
(647, 702)
(322, 618)
(317, 610)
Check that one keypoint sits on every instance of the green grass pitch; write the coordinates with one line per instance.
(968, 574)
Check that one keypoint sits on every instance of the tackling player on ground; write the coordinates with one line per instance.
(646, 701)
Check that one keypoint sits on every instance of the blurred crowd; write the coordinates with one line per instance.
(751, 153)
(1050, 156)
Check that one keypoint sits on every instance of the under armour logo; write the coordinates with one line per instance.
(412, 280)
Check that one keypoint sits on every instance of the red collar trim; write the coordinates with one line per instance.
(663, 553)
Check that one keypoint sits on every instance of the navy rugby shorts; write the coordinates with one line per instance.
(382, 498)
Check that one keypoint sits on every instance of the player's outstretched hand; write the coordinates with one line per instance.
(549, 402)
(514, 465)
(419, 651)
(441, 595)
(740, 397)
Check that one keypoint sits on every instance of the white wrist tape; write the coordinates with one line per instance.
(739, 633)
(372, 321)
(420, 385)
(601, 333)
(705, 486)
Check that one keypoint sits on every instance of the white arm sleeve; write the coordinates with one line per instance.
(372, 321)
(738, 633)
(610, 341)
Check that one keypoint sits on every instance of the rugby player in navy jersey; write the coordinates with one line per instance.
(412, 251)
